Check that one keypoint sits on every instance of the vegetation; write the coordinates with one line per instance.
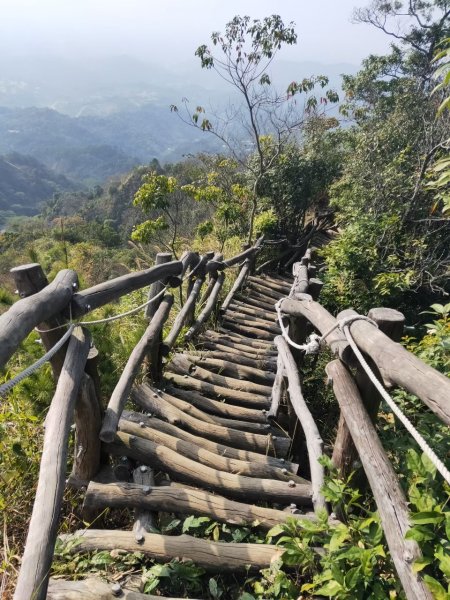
(384, 173)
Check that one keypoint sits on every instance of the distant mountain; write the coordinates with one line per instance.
(92, 149)
(25, 183)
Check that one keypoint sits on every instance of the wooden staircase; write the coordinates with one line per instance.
(204, 433)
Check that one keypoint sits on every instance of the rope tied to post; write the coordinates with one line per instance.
(313, 346)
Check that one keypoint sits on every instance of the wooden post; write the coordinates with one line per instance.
(144, 520)
(88, 420)
(389, 497)
(37, 311)
(155, 288)
(38, 553)
(391, 323)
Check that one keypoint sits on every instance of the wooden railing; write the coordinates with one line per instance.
(51, 306)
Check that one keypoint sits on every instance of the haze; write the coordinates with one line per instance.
(168, 32)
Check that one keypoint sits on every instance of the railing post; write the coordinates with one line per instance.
(155, 288)
(390, 322)
(29, 280)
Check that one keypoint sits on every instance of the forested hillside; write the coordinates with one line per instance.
(367, 164)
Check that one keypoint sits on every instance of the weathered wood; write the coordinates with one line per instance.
(398, 367)
(265, 291)
(225, 334)
(240, 352)
(301, 278)
(189, 409)
(248, 330)
(150, 400)
(231, 355)
(389, 497)
(181, 364)
(344, 453)
(106, 292)
(27, 313)
(156, 287)
(314, 442)
(228, 365)
(248, 399)
(252, 321)
(207, 310)
(238, 283)
(88, 420)
(215, 265)
(315, 287)
(37, 557)
(282, 289)
(29, 280)
(217, 556)
(144, 520)
(190, 260)
(183, 469)
(94, 588)
(125, 383)
(323, 321)
(216, 407)
(255, 301)
(206, 457)
(203, 442)
(181, 318)
(246, 309)
(182, 501)
(230, 262)
(277, 390)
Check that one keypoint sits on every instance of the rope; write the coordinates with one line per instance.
(395, 409)
(6, 387)
(312, 346)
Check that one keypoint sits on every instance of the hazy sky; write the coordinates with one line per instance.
(170, 30)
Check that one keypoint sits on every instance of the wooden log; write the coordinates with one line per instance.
(88, 420)
(265, 291)
(190, 260)
(152, 401)
(181, 318)
(314, 442)
(189, 471)
(277, 390)
(282, 289)
(389, 497)
(189, 409)
(206, 312)
(248, 330)
(94, 588)
(106, 292)
(256, 301)
(323, 321)
(144, 520)
(125, 383)
(29, 280)
(180, 500)
(216, 556)
(238, 358)
(182, 365)
(248, 399)
(28, 312)
(206, 457)
(237, 285)
(37, 557)
(215, 265)
(315, 287)
(344, 453)
(232, 369)
(215, 407)
(398, 367)
(156, 287)
(224, 334)
(252, 321)
(239, 307)
(301, 279)
(240, 352)
(217, 448)
(248, 253)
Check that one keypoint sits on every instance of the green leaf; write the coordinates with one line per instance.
(436, 588)
(421, 563)
(332, 588)
(426, 518)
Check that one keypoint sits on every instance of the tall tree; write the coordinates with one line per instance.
(241, 56)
